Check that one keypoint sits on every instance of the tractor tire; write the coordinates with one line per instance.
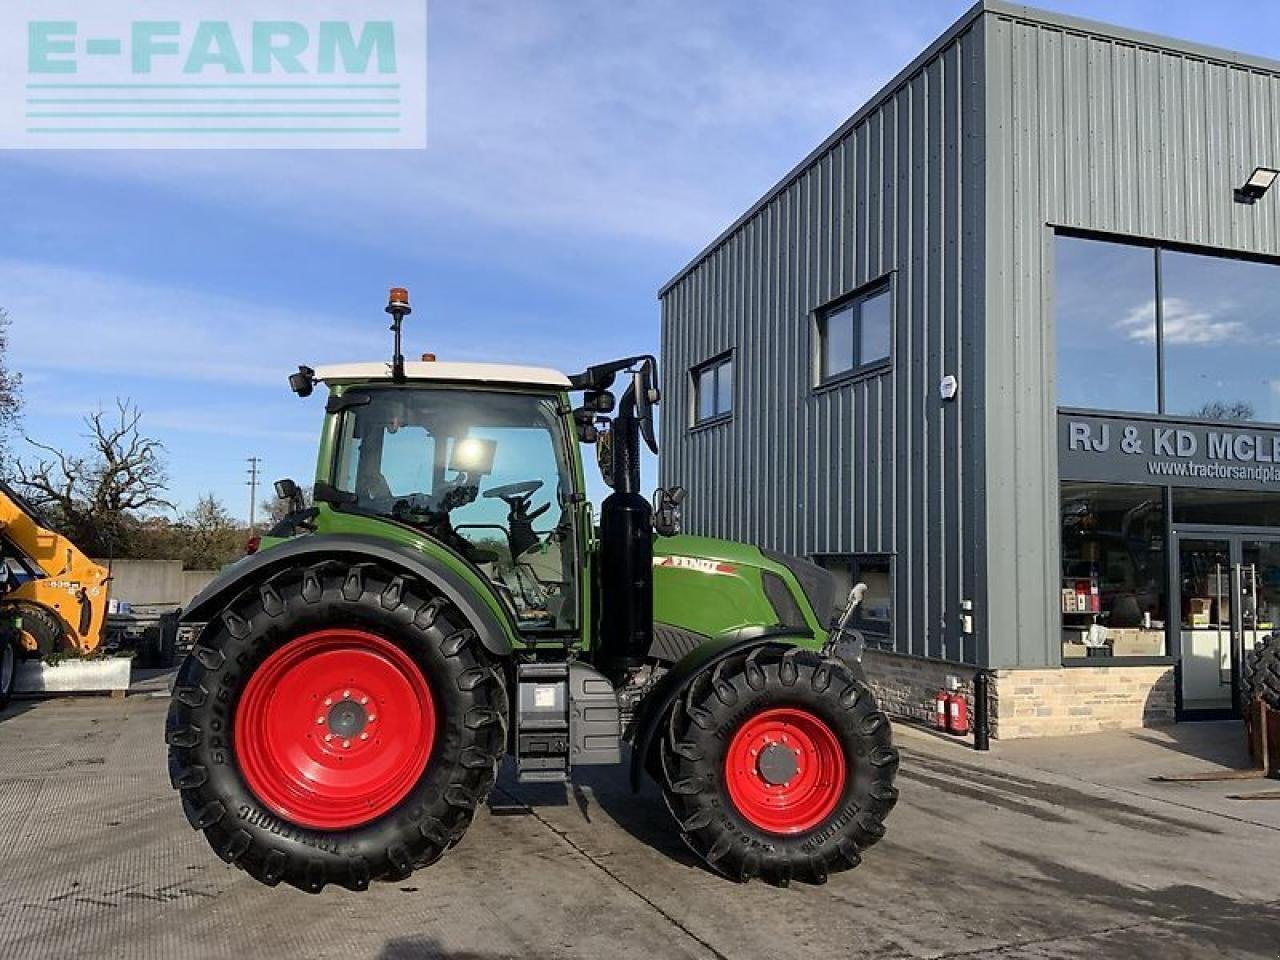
(778, 764)
(1262, 673)
(339, 723)
(9, 657)
(41, 634)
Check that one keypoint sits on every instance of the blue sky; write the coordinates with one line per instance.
(579, 154)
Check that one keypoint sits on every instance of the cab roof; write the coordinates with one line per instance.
(437, 372)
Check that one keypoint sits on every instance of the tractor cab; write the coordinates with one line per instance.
(478, 457)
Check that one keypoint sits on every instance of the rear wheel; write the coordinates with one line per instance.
(778, 764)
(338, 724)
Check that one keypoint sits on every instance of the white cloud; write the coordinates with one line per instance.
(1183, 324)
(71, 320)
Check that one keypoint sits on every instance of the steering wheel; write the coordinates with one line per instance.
(511, 491)
(518, 497)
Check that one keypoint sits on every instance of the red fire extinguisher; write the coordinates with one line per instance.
(957, 714)
(942, 709)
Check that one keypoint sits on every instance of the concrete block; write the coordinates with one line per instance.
(103, 675)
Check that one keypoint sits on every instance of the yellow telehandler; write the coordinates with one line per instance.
(53, 594)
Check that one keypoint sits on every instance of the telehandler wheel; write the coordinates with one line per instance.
(778, 764)
(9, 656)
(339, 723)
(41, 634)
(1262, 673)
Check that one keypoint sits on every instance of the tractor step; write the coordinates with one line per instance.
(566, 714)
(542, 722)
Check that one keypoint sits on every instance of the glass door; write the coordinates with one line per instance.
(1207, 635)
(1228, 588)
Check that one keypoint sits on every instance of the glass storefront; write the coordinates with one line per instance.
(1168, 367)
(1114, 573)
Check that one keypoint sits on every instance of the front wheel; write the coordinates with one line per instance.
(336, 724)
(778, 764)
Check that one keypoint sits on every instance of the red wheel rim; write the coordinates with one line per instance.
(785, 770)
(334, 729)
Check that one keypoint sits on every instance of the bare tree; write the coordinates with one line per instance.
(1225, 410)
(211, 538)
(96, 496)
(10, 396)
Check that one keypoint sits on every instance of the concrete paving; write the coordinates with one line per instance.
(1046, 849)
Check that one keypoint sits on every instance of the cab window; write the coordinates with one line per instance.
(485, 472)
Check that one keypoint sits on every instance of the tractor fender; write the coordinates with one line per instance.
(653, 708)
(495, 634)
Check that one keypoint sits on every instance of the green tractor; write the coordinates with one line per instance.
(449, 599)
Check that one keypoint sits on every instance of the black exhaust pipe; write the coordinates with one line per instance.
(626, 547)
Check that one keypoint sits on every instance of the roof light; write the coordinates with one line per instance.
(399, 300)
(428, 358)
(1259, 183)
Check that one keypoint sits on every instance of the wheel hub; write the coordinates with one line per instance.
(777, 764)
(346, 718)
(785, 770)
(334, 728)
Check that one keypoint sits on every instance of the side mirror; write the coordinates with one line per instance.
(647, 397)
(291, 493)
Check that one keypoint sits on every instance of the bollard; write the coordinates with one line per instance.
(981, 710)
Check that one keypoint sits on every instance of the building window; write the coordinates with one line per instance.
(1219, 324)
(1127, 315)
(713, 389)
(875, 615)
(855, 333)
(1114, 573)
(1105, 296)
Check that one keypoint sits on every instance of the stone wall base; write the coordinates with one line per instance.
(1048, 702)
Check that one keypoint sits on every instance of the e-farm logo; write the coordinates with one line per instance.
(213, 73)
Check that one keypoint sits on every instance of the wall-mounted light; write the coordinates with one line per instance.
(1259, 182)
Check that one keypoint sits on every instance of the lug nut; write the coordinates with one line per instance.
(319, 719)
(363, 701)
(346, 694)
(346, 744)
(328, 701)
(328, 737)
(364, 736)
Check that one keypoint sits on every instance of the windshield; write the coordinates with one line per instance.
(483, 472)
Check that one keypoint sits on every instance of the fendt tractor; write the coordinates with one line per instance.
(448, 599)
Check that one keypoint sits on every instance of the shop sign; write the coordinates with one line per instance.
(1168, 452)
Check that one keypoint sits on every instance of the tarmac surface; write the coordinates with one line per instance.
(1040, 849)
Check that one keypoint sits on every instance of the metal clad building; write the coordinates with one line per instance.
(942, 207)
(898, 191)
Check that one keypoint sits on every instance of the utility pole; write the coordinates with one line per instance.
(253, 492)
